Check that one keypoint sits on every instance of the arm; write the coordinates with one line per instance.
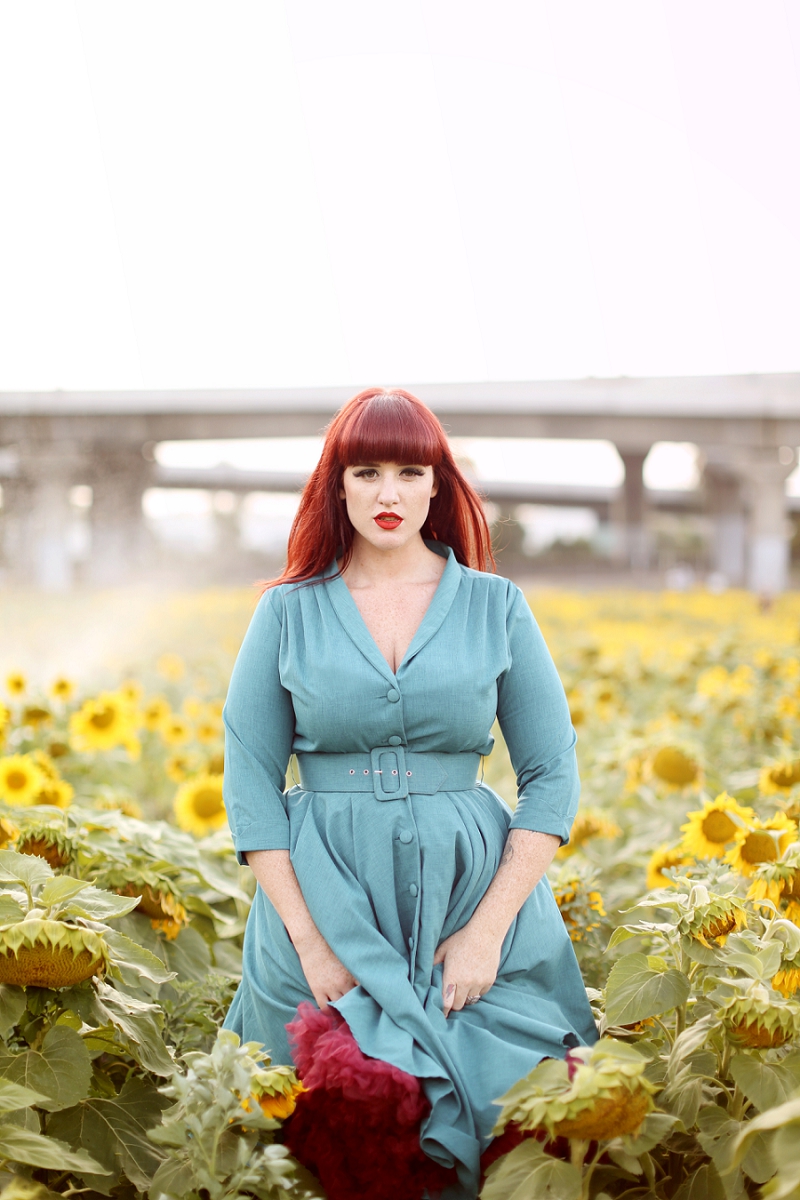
(325, 975)
(534, 718)
(259, 731)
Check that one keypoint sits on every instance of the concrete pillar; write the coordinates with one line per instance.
(635, 549)
(48, 470)
(725, 503)
(120, 551)
(769, 533)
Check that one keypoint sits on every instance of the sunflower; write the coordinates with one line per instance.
(216, 764)
(8, 831)
(275, 1091)
(207, 731)
(118, 802)
(192, 707)
(178, 767)
(712, 828)
(761, 842)
(57, 793)
(758, 1020)
(593, 1094)
(102, 724)
(711, 923)
(779, 777)
(199, 806)
(62, 688)
(576, 904)
(35, 715)
(154, 712)
(16, 684)
(175, 730)
(663, 859)
(772, 880)
(21, 779)
(671, 768)
(171, 667)
(47, 842)
(589, 823)
(165, 911)
(49, 954)
(131, 691)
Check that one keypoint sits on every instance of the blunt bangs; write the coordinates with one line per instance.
(391, 428)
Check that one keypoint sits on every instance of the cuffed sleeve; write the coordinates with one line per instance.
(534, 717)
(259, 730)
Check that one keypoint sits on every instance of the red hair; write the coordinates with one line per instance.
(381, 425)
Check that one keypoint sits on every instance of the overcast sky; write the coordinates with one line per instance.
(264, 194)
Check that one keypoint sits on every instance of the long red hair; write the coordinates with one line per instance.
(380, 425)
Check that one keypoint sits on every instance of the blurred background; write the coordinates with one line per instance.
(571, 227)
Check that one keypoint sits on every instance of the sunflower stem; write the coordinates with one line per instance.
(577, 1152)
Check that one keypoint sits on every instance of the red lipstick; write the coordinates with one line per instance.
(388, 520)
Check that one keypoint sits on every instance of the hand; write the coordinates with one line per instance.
(471, 957)
(327, 977)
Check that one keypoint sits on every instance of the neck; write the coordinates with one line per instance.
(411, 563)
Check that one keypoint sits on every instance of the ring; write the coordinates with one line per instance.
(472, 999)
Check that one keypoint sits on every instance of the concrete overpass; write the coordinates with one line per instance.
(748, 428)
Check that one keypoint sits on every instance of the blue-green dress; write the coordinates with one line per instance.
(388, 875)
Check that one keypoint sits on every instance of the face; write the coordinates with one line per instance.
(387, 503)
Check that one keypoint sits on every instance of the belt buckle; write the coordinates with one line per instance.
(389, 778)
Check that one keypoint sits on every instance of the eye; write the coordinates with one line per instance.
(365, 473)
(413, 471)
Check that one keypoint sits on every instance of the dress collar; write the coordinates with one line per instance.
(348, 613)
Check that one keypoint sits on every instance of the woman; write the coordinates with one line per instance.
(396, 890)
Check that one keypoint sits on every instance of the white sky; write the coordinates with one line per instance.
(256, 193)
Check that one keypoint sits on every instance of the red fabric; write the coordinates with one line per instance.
(357, 1125)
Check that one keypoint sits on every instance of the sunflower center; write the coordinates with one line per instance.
(759, 847)
(673, 766)
(17, 781)
(207, 802)
(786, 775)
(103, 717)
(718, 827)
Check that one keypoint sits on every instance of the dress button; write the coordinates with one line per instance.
(406, 836)
(394, 740)
(413, 889)
(393, 695)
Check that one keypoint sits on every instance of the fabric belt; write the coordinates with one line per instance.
(389, 772)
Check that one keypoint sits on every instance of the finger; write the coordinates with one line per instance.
(449, 994)
(439, 955)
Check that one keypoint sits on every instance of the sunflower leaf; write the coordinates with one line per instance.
(139, 961)
(60, 1071)
(765, 1085)
(60, 889)
(13, 1003)
(528, 1171)
(36, 1150)
(635, 990)
(28, 869)
(97, 905)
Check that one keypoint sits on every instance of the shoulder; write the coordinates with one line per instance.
(496, 589)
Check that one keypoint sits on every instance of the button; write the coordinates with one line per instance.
(393, 695)
(394, 740)
(411, 943)
(414, 890)
(406, 836)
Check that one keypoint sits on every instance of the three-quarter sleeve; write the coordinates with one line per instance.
(534, 716)
(259, 730)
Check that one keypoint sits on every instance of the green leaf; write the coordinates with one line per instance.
(140, 1025)
(13, 1003)
(10, 910)
(621, 934)
(114, 1131)
(635, 990)
(764, 1084)
(786, 1114)
(27, 1189)
(189, 956)
(758, 1161)
(59, 889)
(14, 1096)
(527, 1171)
(36, 1150)
(786, 1152)
(654, 1129)
(97, 905)
(60, 1071)
(23, 868)
(761, 965)
(703, 1184)
(125, 953)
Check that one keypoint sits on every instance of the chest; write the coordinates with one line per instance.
(393, 615)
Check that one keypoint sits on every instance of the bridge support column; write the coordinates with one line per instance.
(42, 531)
(635, 546)
(766, 473)
(725, 503)
(120, 541)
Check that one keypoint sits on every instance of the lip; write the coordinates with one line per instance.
(388, 520)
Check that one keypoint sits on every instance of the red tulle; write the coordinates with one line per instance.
(357, 1125)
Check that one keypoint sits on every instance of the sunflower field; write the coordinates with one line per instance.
(122, 910)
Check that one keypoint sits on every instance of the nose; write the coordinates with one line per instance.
(388, 491)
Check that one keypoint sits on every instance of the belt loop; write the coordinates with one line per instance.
(389, 778)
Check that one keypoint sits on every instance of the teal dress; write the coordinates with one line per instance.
(394, 840)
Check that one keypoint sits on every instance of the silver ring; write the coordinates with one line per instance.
(472, 999)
